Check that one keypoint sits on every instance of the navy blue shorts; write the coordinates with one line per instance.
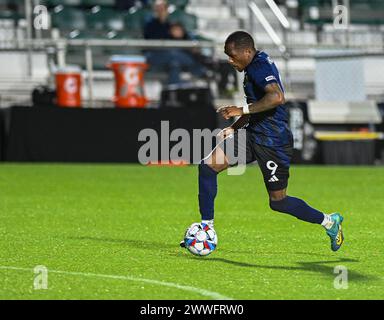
(274, 162)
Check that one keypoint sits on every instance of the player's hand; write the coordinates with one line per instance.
(230, 111)
(226, 132)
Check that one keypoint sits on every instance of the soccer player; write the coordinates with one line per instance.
(268, 139)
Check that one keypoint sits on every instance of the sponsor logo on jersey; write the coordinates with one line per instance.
(269, 78)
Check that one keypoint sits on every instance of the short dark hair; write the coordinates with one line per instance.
(241, 40)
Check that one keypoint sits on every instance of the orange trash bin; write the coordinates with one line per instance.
(129, 81)
(68, 86)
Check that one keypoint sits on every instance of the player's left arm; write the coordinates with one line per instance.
(273, 97)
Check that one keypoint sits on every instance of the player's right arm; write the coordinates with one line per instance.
(238, 124)
(241, 122)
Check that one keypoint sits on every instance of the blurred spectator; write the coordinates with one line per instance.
(171, 60)
(157, 27)
(178, 32)
(124, 4)
(127, 4)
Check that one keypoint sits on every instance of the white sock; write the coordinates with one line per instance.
(208, 222)
(327, 222)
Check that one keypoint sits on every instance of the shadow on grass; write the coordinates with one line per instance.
(138, 244)
(311, 266)
(306, 266)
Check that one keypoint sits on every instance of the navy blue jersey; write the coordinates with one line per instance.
(269, 128)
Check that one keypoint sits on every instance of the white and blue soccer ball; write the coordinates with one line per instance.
(200, 239)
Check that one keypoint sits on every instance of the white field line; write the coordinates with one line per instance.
(203, 292)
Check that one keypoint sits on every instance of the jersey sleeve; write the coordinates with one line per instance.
(263, 74)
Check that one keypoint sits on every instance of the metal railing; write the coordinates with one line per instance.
(286, 46)
(61, 45)
(281, 43)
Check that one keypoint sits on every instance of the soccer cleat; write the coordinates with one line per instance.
(207, 222)
(336, 233)
(182, 244)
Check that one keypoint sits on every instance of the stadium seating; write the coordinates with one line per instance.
(96, 18)
(362, 11)
(135, 19)
(181, 4)
(101, 3)
(8, 14)
(11, 9)
(188, 20)
(79, 3)
(68, 19)
(177, 3)
(101, 19)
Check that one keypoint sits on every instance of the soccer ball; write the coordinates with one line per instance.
(200, 239)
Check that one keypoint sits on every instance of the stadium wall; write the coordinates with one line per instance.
(2, 134)
(53, 134)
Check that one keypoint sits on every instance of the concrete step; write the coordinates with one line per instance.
(302, 38)
(229, 24)
(211, 12)
(218, 35)
(205, 3)
(260, 3)
(243, 13)
(19, 84)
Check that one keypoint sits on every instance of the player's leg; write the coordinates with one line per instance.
(274, 164)
(209, 168)
(231, 151)
(279, 201)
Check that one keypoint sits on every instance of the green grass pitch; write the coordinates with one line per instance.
(112, 232)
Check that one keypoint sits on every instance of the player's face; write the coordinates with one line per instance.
(238, 58)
